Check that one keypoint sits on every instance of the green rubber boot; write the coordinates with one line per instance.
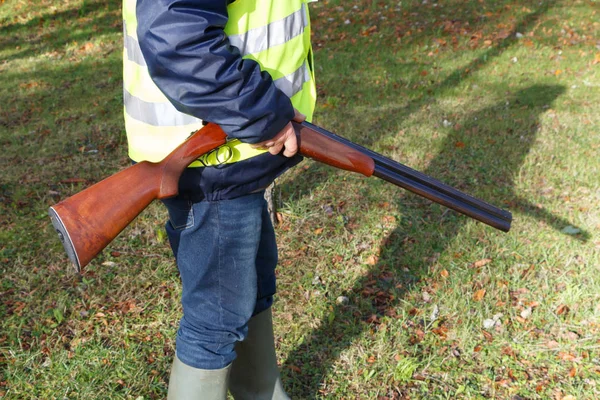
(254, 373)
(189, 383)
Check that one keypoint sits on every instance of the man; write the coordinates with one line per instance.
(245, 65)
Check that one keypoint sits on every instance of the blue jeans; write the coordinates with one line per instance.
(226, 254)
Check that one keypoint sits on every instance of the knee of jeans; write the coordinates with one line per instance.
(207, 347)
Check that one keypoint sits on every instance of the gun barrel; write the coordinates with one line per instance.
(453, 203)
(428, 187)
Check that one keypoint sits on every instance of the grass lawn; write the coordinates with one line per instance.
(382, 294)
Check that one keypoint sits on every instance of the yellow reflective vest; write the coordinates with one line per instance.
(275, 34)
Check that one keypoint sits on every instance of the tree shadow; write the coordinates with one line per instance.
(380, 291)
(68, 26)
(450, 82)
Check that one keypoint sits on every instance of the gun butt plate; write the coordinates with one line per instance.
(64, 237)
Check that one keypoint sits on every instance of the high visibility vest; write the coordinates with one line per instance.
(276, 34)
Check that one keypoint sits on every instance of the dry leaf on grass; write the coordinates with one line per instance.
(479, 295)
(480, 263)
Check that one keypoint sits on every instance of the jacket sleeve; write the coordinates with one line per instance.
(190, 59)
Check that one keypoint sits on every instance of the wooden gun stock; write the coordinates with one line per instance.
(89, 220)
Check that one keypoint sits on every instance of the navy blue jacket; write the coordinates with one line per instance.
(190, 59)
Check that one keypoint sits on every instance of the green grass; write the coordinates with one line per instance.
(496, 98)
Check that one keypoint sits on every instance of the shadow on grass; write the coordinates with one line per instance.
(509, 141)
(46, 131)
(388, 118)
(52, 31)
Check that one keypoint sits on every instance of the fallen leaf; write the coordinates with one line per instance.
(389, 219)
(372, 260)
(481, 263)
(539, 387)
(563, 355)
(508, 351)
(19, 307)
(479, 295)
(442, 331)
(528, 43)
(295, 369)
(572, 336)
(488, 336)
(369, 31)
(420, 334)
(280, 218)
(562, 309)
(444, 273)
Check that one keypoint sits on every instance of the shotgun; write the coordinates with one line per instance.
(89, 220)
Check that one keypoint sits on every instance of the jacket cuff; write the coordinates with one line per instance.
(266, 127)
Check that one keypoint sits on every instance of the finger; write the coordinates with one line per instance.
(289, 153)
(299, 117)
(276, 148)
(291, 147)
(290, 143)
(263, 145)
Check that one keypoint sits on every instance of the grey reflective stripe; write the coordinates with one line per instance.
(292, 83)
(156, 114)
(134, 53)
(132, 47)
(276, 33)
